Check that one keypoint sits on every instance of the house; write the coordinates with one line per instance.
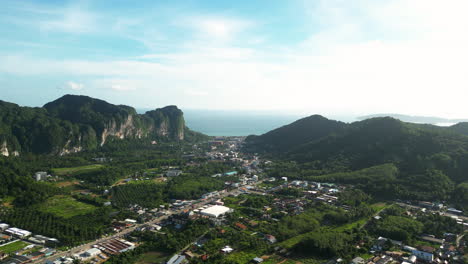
(4, 226)
(240, 226)
(424, 252)
(271, 239)
(432, 239)
(40, 175)
(357, 260)
(257, 260)
(177, 259)
(227, 249)
(173, 173)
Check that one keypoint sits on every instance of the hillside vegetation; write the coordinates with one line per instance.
(385, 156)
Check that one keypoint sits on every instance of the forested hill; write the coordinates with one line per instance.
(74, 123)
(287, 137)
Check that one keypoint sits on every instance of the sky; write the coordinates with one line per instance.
(298, 56)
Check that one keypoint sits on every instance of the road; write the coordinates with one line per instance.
(122, 233)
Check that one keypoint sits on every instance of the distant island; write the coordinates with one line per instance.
(417, 119)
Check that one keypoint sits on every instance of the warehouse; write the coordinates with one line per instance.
(215, 211)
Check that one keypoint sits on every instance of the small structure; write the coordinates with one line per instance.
(130, 221)
(227, 249)
(40, 175)
(177, 259)
(257, 260)
(91, 253)
(173, 173)
(271, 239)
(357, 260)
(4, 226)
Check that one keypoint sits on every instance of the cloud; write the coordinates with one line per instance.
(74, 86)
(355, 56)
(70, 20)
(215, 28)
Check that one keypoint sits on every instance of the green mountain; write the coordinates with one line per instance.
(384, 156)
(74, 123)
(308, 129)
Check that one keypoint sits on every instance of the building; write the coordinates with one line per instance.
(92, 252)
(4, 226)
(215, 211)
(271, 239)
(40, 175)
(231, 173)
(425, 253)
(357, 260)
(257, 260)
(115, 246)
(177, 259)
(18, 232)
(454, 211)
(227, 249)
(173, 173)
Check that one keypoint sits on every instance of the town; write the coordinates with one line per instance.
(253, 218)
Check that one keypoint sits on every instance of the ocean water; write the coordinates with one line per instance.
(241, 123)
(235, 123)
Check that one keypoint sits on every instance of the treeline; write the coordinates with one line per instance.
(149, 195)
(386, 181)
(396, 224)
(69, 232)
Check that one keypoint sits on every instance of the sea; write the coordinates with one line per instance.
(238, 122)
(235, 123)
(245, 123)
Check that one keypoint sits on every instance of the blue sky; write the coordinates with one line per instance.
(303, 56)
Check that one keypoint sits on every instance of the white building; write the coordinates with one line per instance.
(425, 255)
(40, 175)
(92, 252)
(4, 226)
(215, 211)
(18, 232)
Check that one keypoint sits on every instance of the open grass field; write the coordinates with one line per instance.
(7, 201)
(152, 258)
(65, 206)
(77, 170)
(13, 247)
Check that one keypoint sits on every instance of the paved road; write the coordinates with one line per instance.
(122, 233)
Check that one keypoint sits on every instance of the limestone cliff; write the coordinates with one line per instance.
(74, 123)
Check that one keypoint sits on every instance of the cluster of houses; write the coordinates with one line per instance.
(25, 255)
(446, 253)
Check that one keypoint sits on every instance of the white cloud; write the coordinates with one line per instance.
(71, 20)
(217, 28)
(74, 86)
(367, 56)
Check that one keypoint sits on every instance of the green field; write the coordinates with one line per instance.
(12, 247)
(76, 170)
(152, 258)
(65, 206)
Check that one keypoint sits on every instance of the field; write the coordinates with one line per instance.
(6, 201)
(152, 258)
(12, 247)
(66, 207)
(75, 170)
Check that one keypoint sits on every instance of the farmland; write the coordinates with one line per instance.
(66, 207)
